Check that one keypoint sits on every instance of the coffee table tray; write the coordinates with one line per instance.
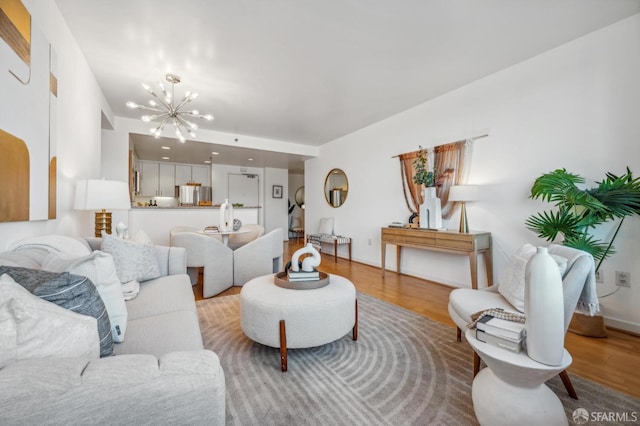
(280, 279)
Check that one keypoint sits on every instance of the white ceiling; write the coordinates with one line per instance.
(312, 71)
(191, 152)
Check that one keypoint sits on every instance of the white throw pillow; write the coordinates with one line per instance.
(100, 268)
(326, 226)
(61, 244)
(511, 284)
(134, 261)
(31, 327)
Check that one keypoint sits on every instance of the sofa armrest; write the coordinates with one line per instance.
(177, 388)
(172, 260)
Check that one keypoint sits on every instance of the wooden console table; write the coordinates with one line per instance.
(452, 242)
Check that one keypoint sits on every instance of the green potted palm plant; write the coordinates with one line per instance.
(578, 211)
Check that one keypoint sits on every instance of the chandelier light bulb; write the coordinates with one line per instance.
(166, 111)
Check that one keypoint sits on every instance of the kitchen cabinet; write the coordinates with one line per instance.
(183, 174)
(150, 178)
(158, 179)
(201, 174)
(186, 173)
(167, 180)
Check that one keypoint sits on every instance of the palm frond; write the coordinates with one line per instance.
(620, 195)
(553, 186)
(597, 248)
(549, 224)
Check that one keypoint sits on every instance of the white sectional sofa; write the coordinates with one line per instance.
(159, 375)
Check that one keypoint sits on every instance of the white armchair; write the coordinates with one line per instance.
(261, 256)
(253, 232)
(578, 286)
(208, 253)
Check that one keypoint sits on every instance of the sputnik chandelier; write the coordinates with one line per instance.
(167, 112)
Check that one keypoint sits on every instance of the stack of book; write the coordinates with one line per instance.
(303, 275)
(502, 333)
(211, 229)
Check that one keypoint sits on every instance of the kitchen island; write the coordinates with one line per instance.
(156, 222)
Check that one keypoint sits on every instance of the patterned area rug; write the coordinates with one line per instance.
(404, 370)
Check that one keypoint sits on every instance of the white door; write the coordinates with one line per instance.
(244, 189)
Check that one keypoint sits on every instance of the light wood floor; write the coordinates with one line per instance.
(613, 361)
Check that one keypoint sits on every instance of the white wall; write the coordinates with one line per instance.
(276, 209)
(576, 106)
(78, 129)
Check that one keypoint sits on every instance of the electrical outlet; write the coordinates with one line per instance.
(623, 279)
(600, 276)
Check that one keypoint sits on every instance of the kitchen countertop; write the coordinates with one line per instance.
(190, 207)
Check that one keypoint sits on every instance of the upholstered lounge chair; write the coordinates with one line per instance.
(578, 285)
(205, 252)
(261, 256)
(252, 232)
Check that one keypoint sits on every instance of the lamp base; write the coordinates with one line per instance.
(103, 222)
(464, 226)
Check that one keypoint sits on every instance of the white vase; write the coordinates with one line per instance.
(226, 216)
(544, 309)
(430, 209)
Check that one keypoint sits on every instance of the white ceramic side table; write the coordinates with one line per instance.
(512, 391)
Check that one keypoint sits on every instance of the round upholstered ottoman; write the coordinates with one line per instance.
(285, 318)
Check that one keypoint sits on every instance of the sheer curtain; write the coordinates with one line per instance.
(451, 163)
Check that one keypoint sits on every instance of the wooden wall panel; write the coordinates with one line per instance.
(14, 179)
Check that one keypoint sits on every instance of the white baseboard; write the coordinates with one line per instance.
(622, 325)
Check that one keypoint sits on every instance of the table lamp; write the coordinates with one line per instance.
(462, 194)
(100, 195)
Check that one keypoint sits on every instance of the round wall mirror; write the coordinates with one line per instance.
(300, 197)
(336, 188)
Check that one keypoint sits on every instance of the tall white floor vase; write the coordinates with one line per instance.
(544, 309)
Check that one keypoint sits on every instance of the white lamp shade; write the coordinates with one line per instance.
(98, 194)
(463, 193)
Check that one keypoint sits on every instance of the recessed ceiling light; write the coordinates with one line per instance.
(207, 161)
(250, 159)
(166, 158)
(215, 153)
(165, 147)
